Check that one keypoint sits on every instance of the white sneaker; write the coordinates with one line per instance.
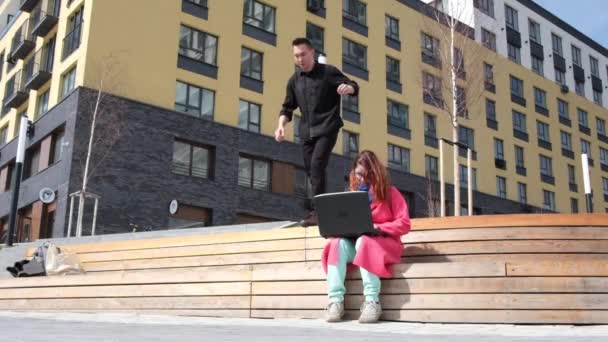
(335, 312)
(370, 312)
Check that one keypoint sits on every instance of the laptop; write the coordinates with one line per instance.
(344, 214)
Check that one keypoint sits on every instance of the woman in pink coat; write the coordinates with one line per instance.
(372, 254)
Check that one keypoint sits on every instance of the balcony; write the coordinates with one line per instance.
(71, 42)
(38, 69)
(490, 86)
(23, 42)
(500, 163)
(27, 5)
(15, 93)
(43, 23)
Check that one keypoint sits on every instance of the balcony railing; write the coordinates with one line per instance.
(71, 42)
(23, 42)
(28, 5)
(15, 93)
(43, 22)
(38, 69)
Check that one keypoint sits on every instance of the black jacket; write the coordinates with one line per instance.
(315, 93)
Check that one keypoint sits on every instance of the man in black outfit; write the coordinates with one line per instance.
(316, 89)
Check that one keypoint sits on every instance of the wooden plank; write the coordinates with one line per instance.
(507, 233)
(314, 271)
(459, 316)
(209, 260)
(443, 285)
(502, 301)
(506, 246)
(515, 220)
(523, 257)
(558, 268)
(153, 276)
(220, 313)
(139, 303)
(110, 291)
(185, 251)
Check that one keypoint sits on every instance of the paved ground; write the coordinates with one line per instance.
(38, 327)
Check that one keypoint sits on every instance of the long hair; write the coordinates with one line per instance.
(376, 177)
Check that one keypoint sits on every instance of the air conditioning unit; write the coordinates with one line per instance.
(564, 88)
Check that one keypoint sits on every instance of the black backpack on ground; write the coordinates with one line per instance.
(30, 268)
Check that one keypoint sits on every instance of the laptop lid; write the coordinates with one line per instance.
(344, 214)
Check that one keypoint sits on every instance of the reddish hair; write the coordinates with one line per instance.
(376, 177)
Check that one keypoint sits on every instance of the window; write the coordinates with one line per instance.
(68, 82)
(296, 129)
(511, 18)
(398, 158)
(519, 122)
(431, 90)
(259, 15)
(562, 109)
(499, 149)
(350, 144)
(603, 156)
(3, 135)
(514, 53)
(71, 42)
(574, 205)
(557, 45)
(355, 10)
(605, 187)
(193, 100)
(579, 87)
(537, 65)
(430, 125)
(576, 56)
(586, 147)
(488, 39)
(517, 87)
(597, 98)
(501, 187)
(583, 118)
(560, 77)
(488, 72)
(56, 147)
(463, 171)
(254, 173)
(354, 54)
(543, 131)
(431, 167)
(316, 36)
(571, 175)
(595, 68)
(391, 27)
(522, 193)
(398, 114)
(459, 64)
(351, 104)
(485, 6)
(490, 110)
(198, 45)
(393, 73)
(31, 163)
(548, 200)
(191, 160)
(466, 136)
(43, 103)
(430, 50)
(546, 166)
(540, 98)
(249, 116)
(601, 126)
(251, 63)
(566, 140)
(520, 162)
(534, 29)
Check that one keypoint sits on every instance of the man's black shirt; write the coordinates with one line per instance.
(316, 94)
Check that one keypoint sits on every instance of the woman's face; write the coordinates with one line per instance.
(361, 174)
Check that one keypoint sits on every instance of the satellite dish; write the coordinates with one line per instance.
(47, 195)
(173, 207)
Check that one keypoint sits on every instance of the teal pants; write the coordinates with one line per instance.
(336, 274)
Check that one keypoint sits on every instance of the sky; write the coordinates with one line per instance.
(580, 15)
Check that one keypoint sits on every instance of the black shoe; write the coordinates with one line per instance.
(310, 220)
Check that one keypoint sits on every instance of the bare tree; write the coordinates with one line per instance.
(459, 72)
(104, 113)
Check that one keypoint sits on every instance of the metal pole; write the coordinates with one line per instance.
(470, 181)
(79, 224)
(587, 182)
(94, 217)
(16, 181)
(441, 180)
(71, 214)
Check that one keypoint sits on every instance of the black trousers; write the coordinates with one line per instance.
(316, 157)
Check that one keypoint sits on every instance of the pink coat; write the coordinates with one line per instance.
(377, 253)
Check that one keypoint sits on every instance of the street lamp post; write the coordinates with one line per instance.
(16, 181)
